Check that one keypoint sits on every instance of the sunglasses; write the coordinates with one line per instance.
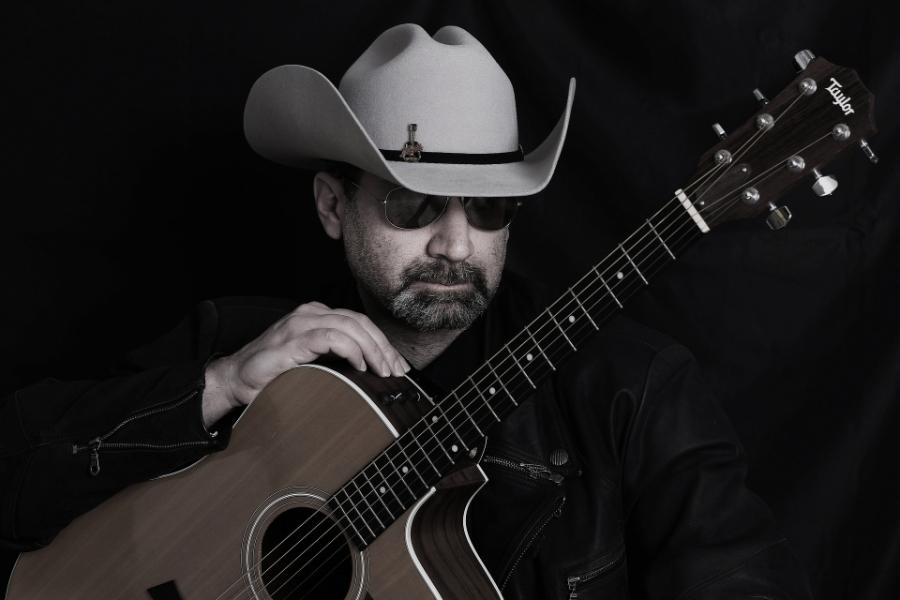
(406, 209)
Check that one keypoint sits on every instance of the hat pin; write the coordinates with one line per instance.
(412, 150)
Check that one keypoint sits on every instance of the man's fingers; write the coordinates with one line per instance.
(389, 351)
(341, 342)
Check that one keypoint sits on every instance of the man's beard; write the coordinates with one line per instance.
(426, 309)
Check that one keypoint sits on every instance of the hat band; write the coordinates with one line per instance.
(457, 158)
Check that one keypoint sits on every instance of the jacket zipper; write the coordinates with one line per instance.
(532, 470)
(574, 581)
(94, 445)
(554, 514)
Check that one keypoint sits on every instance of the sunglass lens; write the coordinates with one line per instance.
(410, 210)
(491, 213)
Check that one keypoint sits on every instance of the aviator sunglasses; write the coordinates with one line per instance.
(406, 209)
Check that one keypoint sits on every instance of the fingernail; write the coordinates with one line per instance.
(385, 370)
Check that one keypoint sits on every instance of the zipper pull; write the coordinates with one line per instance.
(573, 584)
(542, 472)
(94, 447)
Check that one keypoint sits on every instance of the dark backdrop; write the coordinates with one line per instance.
(130, 193)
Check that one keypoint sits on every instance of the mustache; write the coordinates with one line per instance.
(446, 274)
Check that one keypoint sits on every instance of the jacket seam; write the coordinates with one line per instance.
(719, 576)
(673, 371)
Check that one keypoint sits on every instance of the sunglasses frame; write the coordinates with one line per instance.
(440, 214)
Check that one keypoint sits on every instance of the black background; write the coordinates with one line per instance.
(130, 193)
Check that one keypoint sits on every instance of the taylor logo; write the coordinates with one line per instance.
(840, 99)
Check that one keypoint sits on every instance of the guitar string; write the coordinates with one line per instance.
(666, 229)
(655, 267)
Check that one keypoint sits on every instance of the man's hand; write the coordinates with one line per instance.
(300, 337)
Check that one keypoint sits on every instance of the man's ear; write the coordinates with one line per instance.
(330, 198)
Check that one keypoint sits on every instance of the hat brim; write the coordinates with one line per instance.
(296, 117)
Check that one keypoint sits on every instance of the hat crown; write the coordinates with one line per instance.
(449, 85)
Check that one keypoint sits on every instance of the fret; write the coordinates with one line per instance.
(538, 346)
(636, 270)
(515, 360)
(368, 504)
(428, 422)
(586, 313)
(388, 486)
(363, 518)
(412, 466)
(606, 285)
(347, 517)
(400, 476)
(552, 318)
(491, 389)
(452, 426)
(483, 399)
(380, 497)
(468, 414)
(659, 237)
(428, 458)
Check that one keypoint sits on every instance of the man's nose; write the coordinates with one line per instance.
(451, 234)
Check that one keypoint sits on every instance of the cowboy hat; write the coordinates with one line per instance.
(435, 114)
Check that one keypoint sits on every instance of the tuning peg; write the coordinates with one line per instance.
(760, 97)
(719, 131)
(824, 185)
(803, 58)
(867, 150)
(778, 217)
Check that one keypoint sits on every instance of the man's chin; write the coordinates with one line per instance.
(433, 310)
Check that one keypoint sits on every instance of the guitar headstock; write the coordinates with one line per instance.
(824, 111)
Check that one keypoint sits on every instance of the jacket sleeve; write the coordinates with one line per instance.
(694, 530)
(65, 446)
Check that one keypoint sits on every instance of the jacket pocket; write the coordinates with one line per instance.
(94, 445)
(599, 578)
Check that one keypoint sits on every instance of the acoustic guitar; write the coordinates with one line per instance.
(333, 488)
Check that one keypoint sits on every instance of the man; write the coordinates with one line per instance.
(618, 476)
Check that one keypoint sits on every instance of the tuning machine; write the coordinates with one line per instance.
(824, 185)
(867, 150)
(760, 97)
(778, 217)
(803, 58)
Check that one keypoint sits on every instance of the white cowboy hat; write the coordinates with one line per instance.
(443, 103)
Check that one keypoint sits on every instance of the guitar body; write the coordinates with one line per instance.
(227, 527)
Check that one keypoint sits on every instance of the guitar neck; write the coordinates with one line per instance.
(428, 450)
(808, 123)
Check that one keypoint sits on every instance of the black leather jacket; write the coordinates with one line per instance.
(620, 477)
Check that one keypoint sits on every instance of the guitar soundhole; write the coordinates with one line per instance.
(305, 555)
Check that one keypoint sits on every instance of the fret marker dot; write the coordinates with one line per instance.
(528, 356)
(382, 489)
(434, 419)
(405, 469)
(454, 448)
(619, 275)
(571, 318)
(492, 391)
